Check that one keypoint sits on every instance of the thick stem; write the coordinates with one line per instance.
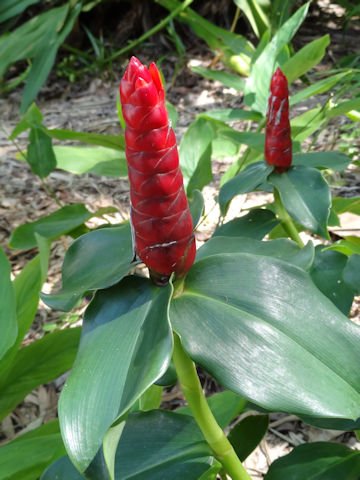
(215, 437)
(286, 220)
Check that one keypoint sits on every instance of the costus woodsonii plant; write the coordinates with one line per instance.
(278, 147)
(160, 215)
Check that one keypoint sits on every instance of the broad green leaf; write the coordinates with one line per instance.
(244, 182)
(351, 273)
(334, 160)
(232, 115)
(342, 205)
(168, 446)
(281, 248)
(8, 322)
(98, 160)
(247, 434)
(258, 83)
(327, 274)
(306, 196)
(96, 260)
(40, 154)
(228, 79)
(126, 329)
(307, 123)
(317, 461)
(115, 142)
(38, 363)
(169, 378)
(255, 224)
(151, 398)
(332, 423)
(267, 337)
(10, 8)
(31, 118)
(347, 246)
(51, 227)
(305, 59)
(195, 155)
(172, 112)
(196, 205)
(318, 87)
(27, 456)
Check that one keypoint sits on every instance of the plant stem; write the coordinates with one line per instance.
(286, 220)
(215, 437)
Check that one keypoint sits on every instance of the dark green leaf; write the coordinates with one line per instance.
(333, 160)
(228, 79)
(40, 154)
(95, 260)
(62, 469)
(51, 227)
(327, 274)
(282, 249)
(38, 363)
(306, 196)
(8, 323)
(232, 115)
(255, 224)
(115, 142)
(195, 155)
(244, 182)
(267, 326)
(10, 8)
(26, 457)
(169, 378)
(351, 273)
(196, 205)
(126, 330)
(317, 461)
(332, 423)
(247, 434)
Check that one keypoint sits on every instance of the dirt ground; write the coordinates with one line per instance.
(91, 107)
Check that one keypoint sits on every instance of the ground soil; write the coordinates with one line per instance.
(91, 107)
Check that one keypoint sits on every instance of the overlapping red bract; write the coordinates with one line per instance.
(161, 220)
(278, 146)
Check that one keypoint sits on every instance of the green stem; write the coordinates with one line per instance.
(215, 437)
(286, 220)
(151, 32)
(50, 192)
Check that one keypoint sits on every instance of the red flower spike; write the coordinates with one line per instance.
(278, 146)
(160, 215)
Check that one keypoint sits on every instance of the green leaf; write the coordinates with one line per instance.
(305, 59)
(27, 456)
(196, 205)
(255, 224)
(126, 329)
(283, 249)
(10, 8)
(51, 227)
(195, 155)
(31, 118)
(151, 399)
(262, 338)
(38, 363)
(253, 140)
(317, 461)
(307, 123)
(351, 273)
(115, 142)
(258, 83)
(40, 154)
(334, 160)
(343, 108)
(255, 14)
(96, 260)
(228, 79)
(244, 182)
(169, 378)
(232, 115)
(8, 323)
(101, 161)
(306, 196)
(341, 205)
(317, 87)
(62, 469)
(347, 246)
(172, 112)
(247, 434)
(327, 274)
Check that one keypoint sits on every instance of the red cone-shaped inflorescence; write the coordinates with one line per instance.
(278, 147)
(160, 215)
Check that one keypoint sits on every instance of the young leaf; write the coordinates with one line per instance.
(51, 227)
(40, 154)
(8, 323)
(317, 461)
(126, 325)
(267, 337)
(95, 260)
(306, 196)
(255, 224)
(247, 434)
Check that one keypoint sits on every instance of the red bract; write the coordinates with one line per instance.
(160, 215)
(278, 146)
